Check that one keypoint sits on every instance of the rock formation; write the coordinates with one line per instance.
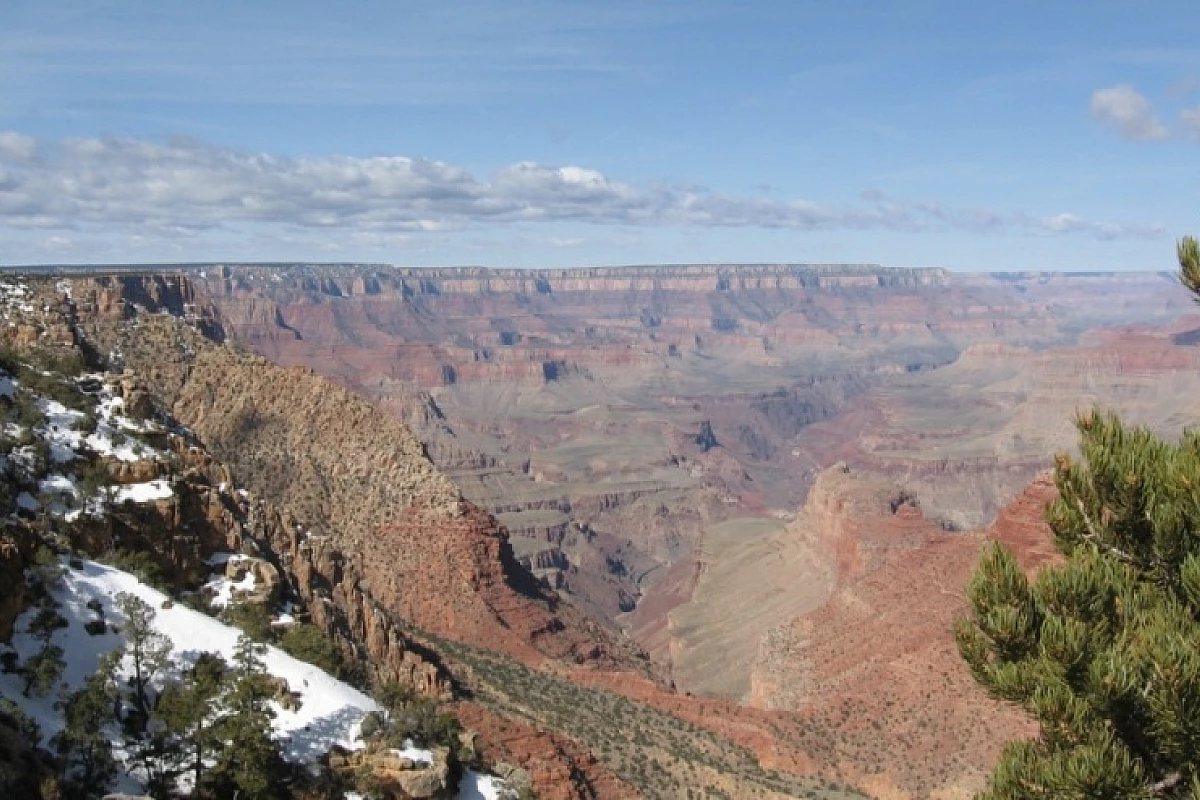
(581, 392)
(875, 672)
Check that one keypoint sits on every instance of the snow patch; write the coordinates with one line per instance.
(223, 588)
(479, 787)
(415, 754)
(144, 492)
(220, 559)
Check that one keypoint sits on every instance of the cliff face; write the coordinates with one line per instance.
(205, 511)
(440, 327)
(875, 670)
(968, 437)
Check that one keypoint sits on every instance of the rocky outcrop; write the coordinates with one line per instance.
(267, 580)
(557, 767)
(875, 673)
(205, 515)
(121, 297)
(394, 776)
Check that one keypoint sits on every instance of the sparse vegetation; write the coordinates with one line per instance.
(141, 563)
(309, 643)
(254, 619)
(654, 751)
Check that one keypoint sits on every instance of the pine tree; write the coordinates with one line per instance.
(83, 742)
(1104, 650)
(1189, 264)
(147, 650)
(251, 764)
(154, 751)
(44, 668)
(190, 711)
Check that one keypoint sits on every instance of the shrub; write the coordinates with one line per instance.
(140, 563)
(309, 643)
(253, 618)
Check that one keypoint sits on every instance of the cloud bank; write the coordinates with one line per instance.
(159, 190)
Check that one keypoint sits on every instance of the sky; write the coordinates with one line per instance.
(1010, 135)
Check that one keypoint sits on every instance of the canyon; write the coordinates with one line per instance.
(634, 427)
(711, 512)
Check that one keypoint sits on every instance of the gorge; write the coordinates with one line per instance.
(725, 511)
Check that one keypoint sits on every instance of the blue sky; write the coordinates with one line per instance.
(1013, 135)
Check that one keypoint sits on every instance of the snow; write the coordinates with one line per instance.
(474, 786)
(61, 435)
(414, 754)
(223, 588)
(60, 492)
(218, 559)
(330, 711)
(144, 492)
(102, 442)
(110, 422)
(66, 442)
(58, 484)
(26, 501)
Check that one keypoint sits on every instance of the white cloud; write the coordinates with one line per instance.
(1125, 110)
(109, 190)
(1061, 223)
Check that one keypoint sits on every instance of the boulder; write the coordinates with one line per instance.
(394, 776)
(266, 579)
(283, 694)
(516, 780)
(126, 472)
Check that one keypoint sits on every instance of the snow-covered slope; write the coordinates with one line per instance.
(330, 712)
